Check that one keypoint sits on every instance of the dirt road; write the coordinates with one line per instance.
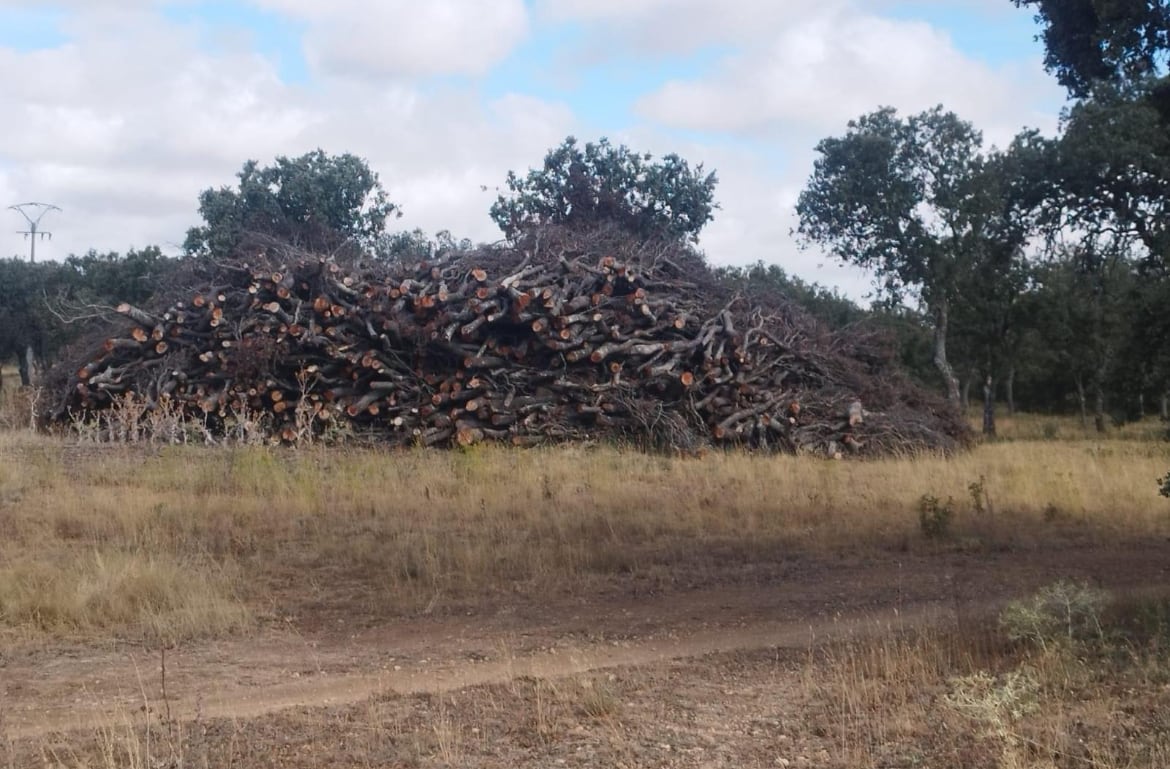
(799, 604)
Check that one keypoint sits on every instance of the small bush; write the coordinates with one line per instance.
(980, 498)
(1062, 612)
(995, 700)
(935, 517)
(1165, 490)
(597, 700)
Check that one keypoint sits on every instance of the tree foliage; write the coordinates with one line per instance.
(25, 320)
(889, 196)
(1112, 172)
(113, 277)
(1093, 41)
(415, 245)
(316, 202)
(917, 201)
(46, 305)
(605, 184)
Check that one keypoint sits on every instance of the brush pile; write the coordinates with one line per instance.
(563, 337)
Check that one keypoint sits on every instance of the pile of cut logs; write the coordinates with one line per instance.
(524, 345)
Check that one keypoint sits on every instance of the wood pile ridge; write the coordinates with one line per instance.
(562, 337)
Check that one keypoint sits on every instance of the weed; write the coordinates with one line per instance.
(998, 704)
(1059, 613)
(448, 736)
(20, 408)
(997, 701)
(935, 517)
(597, 700)
(980, 498)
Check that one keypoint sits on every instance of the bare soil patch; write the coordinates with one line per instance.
(630, 674)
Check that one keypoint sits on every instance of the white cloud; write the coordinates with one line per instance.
(405, 38)
(817, 74)
(672, 27)
(123, 137)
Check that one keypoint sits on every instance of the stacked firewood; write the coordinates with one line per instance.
(551, 342)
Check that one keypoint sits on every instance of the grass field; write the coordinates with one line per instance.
(1050, 427)
(162, 545)
(183, 541)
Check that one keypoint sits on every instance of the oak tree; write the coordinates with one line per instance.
(600, 183)
(315, 202)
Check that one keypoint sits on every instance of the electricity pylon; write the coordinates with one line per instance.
(32, 232)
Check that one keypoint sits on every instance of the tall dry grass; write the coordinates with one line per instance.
(1023, 426)
(190, 540)
(967, 696)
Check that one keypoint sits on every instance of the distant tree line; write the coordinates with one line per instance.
(45, 305)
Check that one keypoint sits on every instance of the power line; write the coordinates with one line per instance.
(33, 231)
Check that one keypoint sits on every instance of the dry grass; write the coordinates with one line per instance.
(967, 697)
(175, 541)
(18, 405)
(1052, 427)
(960, 697)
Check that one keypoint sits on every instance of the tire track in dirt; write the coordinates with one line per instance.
(563, 660)
(811, 604)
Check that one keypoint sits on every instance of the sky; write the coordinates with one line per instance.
(121, 111)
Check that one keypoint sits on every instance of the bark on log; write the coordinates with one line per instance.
(553, 340)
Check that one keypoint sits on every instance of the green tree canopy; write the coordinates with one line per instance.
(47, 305)
(112, 277)
(26, 322)
(1092, 41)
(1111, 173)
(600, 183)
(415, 245)
(316, 202)
(916, 201)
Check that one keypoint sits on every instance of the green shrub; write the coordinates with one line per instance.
(935, 517)
(1062, 612)
(980, 498)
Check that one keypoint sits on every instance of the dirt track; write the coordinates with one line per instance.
(795, 606)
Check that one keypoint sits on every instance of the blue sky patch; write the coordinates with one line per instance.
(997, 36)
(26, 29)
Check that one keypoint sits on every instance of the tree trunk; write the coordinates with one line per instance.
(1164, 407)
(965, 394)
(1081, 402)
(1010, 391)
(989, 406)
(941, 319)
(24, 363)
(1099, 407)
(1141, 405)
